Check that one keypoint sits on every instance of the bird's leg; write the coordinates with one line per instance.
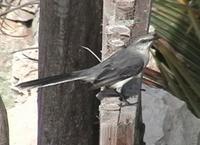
(123, 99)
(107, 92)
(126, 103)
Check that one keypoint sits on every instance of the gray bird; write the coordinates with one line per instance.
(112, 73)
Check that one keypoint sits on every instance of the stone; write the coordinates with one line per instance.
(167, 119)
(23, 14)
(20, 15)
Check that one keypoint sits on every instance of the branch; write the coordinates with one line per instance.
(30, 58)
(18, 7)
(29, 48)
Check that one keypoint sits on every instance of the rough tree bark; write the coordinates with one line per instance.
(66, 112)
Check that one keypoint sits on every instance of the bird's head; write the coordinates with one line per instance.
(142, 43)
(141, 46)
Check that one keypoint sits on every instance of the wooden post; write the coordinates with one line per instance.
(122, 125)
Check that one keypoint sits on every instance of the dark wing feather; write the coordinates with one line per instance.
(120, 70)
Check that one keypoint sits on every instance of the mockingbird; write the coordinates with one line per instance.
(112, 73)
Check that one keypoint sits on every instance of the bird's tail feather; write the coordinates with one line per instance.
(52, 80)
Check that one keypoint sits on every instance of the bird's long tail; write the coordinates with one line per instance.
(53, 80)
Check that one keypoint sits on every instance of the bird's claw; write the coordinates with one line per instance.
(125, 102)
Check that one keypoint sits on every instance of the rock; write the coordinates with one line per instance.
(167, 120)
(30, 8)
(20, 15)
(14, 29)
(23, 14)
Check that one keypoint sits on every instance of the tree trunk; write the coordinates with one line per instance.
(4, 130)
(67, 111)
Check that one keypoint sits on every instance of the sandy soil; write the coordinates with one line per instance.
(23, 122)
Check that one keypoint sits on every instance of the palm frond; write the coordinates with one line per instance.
(178, 25)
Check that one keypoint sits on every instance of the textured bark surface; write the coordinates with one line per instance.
(4, 130)
(67, 112)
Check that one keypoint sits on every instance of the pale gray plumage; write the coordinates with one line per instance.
(125, 63)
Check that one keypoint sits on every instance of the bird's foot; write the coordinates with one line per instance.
(113, 93)
(107, 93)
(125, 102)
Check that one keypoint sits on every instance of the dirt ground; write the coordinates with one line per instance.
(15, 67)
(23, 122)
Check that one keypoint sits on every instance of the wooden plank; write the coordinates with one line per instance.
(116, 123)
(122, 125)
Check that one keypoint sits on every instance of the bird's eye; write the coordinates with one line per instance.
(143, 41)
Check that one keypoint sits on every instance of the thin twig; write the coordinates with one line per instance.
(25, 49)
(32, 71)
(18, 7)
(88, 49)
(30, 58)
(9, 3)
(3, 5)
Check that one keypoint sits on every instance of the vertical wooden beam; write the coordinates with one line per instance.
(116, 123)
(122, 125)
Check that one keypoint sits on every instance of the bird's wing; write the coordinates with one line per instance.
(117, 71)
